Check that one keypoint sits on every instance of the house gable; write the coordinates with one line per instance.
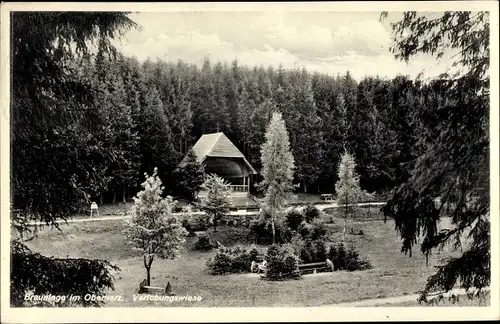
(217, 145)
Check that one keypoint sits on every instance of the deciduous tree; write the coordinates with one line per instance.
(277, 171)
(153, 229)
(347, 187)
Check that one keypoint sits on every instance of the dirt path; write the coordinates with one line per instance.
(393, 300)
(233, 213)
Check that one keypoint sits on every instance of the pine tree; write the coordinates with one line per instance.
(277, 171)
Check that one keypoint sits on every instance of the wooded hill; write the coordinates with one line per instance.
(147, 115)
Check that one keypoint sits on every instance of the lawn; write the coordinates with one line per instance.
(393, 273)
(463, 301)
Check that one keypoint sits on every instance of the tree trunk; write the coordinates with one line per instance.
(125, 195)
(101, 199)
(346, 213)
(114, 197)
(147, 264)
(148, 276)
(273, 230)
(305, 185)
(148, 272)
(343, 232)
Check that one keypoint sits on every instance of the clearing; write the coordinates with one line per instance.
(393, 273)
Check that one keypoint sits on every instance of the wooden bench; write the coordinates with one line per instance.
(307, 268)
(326, 197)
(144, 289)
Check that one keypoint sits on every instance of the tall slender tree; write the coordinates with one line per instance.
(277, 171)
(347, 187)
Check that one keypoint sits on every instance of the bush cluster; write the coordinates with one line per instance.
(311, 251)
(282, 263)
(194, 223)
(204, 243)
(233, 260)
(311, 213)
(307, 223)
(349, 260)
(262, 233)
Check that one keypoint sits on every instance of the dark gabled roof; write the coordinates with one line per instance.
(218, 145)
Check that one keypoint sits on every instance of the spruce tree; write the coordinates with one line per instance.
(454, 164)
(189, 175)
(59, 160)
(217, 202)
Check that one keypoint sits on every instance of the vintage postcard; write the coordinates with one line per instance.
(249, 161)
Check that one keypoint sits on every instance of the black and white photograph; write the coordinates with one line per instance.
(250, 156)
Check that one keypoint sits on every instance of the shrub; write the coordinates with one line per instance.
(349, 260)
(194, 223)
(220, 264)
(339, 262)
(262, 232)
(308, 252)
(256, 255)
(177, 209)
(332, 253)
(233, 260)
(297, 243)
(253, 224)
(353, 261)
(320, 250)
(293, 219)
(204, 243)
(230, 236)
(311, 213)
(281, 264)
(305, 230)
(319, 229)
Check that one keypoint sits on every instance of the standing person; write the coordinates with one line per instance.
(93, 207)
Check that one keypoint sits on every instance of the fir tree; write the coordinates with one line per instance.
(217, 202)
(455, 140)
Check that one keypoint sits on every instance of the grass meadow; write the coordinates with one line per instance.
(393, 273)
